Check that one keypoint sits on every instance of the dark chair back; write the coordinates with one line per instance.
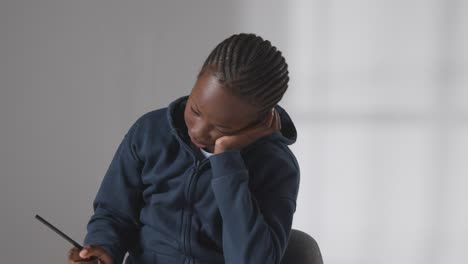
(301, 249)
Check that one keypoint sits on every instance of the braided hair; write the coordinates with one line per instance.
(251, 68)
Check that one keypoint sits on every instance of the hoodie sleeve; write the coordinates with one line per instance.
(256, 223)
(114, 223)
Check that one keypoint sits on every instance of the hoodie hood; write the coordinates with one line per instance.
(288, 132)
(175, 115)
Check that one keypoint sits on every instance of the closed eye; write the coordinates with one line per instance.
(223, 132)
(229, 132)
(195, 112)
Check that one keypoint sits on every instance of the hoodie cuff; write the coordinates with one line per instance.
(228, 163)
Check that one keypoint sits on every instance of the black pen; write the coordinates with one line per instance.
(56, 230)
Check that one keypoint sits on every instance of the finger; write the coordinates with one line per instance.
(92, 251)
(86, 251)
(273, 126)
(270, 124)
(86, 261)
(272, 117)
(266, 122)
(274, 120)
(278, 121)
(73, 254)
(265, 129)
(267, 119)
(100, 255)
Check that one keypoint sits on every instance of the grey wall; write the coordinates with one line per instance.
(74, 76)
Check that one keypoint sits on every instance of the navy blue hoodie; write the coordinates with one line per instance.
(164, 202)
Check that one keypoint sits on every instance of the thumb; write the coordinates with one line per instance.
(86, 251)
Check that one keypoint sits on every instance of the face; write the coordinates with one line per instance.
(212, 111)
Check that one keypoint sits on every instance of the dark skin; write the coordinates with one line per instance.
(218, 121)
(76, 256)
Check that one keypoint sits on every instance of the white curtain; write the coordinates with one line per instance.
(379, 92)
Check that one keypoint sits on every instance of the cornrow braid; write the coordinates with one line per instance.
(251, 68)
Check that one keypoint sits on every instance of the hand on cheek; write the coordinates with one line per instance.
(243, 138)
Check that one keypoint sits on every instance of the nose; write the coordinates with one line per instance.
(201, 131)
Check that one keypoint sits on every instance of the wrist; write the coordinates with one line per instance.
(219, 150)
(228, 163)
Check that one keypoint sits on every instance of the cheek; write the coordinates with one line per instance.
(188, 120)
(201, 131)
(195, 126)
(192, 125)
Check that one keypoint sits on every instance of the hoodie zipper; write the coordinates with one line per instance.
(188, 212)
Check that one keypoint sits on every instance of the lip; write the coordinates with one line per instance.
(197, 144)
